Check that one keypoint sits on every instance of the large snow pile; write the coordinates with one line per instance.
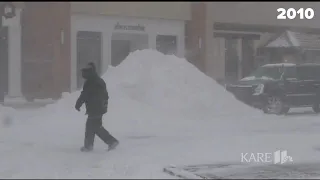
(170, 83)
(150, 92)
(149, 82)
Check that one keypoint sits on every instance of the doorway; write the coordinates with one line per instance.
(122, 44)
(120, 49)
(89, 49)
(231, 59)
(247, 65)
(167, 44)
(4, 63)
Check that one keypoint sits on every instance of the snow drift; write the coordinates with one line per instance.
(149, 90)
(170, 83)
(164, 83)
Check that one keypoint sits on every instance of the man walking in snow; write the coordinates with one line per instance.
(95, 97)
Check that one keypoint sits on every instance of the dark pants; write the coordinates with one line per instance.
(94, 127)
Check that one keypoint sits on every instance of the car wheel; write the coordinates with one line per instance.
(316, 108)
(275, 105)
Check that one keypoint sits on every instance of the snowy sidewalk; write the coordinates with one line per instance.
(20, 103)
(48, 146)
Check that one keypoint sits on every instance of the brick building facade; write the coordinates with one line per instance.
(45, 56)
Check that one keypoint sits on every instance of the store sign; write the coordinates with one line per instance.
(138, 27)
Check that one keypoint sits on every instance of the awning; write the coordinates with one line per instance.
(291, 39)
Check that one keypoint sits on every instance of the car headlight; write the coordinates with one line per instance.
(259, 89)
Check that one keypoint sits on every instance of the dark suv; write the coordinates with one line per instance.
(275, 88)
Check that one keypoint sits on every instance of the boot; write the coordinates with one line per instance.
(86, 149)
(113, 145)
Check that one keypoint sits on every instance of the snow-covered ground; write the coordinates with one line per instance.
(164, 111)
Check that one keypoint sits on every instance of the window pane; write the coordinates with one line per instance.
(167, 44)
(231, 59)
(89, 49)
(290, 72)
(309, 73)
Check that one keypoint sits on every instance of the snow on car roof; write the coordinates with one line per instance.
(290, 64)
(279, 64)
(310, 64)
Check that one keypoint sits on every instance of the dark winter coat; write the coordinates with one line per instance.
(94, 94)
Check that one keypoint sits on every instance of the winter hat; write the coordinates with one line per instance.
(92, 65)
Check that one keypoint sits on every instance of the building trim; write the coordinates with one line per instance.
(14, 43)
(262, 28)
(236, 35)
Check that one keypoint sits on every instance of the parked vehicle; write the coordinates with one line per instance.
(275, 88)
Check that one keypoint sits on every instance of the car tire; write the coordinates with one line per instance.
(316, 108)
(275, 105)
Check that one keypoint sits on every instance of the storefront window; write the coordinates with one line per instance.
(89, 49)
(124, 43)
(232, 59)
(312, 56)
(167, 44)
(247, 65)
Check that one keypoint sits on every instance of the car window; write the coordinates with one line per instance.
(290, 73)
(308, 72)
(273, 72)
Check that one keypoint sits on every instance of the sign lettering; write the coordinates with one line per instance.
(138, 27)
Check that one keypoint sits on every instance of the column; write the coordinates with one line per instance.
(106, 51)
(152, 41)
(219, 58)
(73, 66)
(181, 45)
(14, 33)
(241, 63)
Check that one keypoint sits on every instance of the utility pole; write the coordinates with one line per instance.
(7, 10)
